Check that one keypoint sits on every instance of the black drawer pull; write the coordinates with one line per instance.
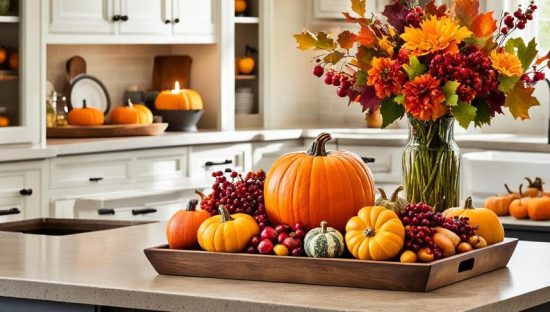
(26, 192)
(116, 18)
(124, 18)
(367, 159)
(212, 163)
(95, 179)
(228, 170)
(105, 211)
(136, 212)
(167, 21)
(10, 211)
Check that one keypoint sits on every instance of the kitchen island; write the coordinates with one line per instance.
(109, 268)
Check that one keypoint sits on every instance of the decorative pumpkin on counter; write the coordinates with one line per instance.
(518, 207)
(179, 99)
(127, 115)
(227, 233)
(540, 187)
(488, 222)
(181, 230)
(85, 116)
(4, 121)
(317, 185)
(395, 203)
(533, 189)
(501, 204)
(147, 115)
(324, 242)
(376, 233)
(539, 208)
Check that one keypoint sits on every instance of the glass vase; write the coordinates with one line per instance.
(431, 164)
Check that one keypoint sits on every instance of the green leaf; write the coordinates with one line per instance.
(305, 40)
(400, 99)
(324, 42)
(507, 83)
(362, 78)
(519, 100)
(333, 57)
(483, 116)
(391, 111)
(414, 68)
(449, 89)
(526, 54)
(464, 114)
(359, 7)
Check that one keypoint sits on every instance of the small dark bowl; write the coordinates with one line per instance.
(180, 120)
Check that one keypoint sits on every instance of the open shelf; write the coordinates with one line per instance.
(9, 19)
(246, 20)
(8, 75)
(245, 77)
(248, 121)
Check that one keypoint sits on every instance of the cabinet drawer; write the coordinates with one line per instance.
(387, 161)
(148, 213)
(19, 192)
(160, 165)
(205, 159)
(78, 171)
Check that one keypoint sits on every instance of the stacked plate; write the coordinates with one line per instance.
(244, 101)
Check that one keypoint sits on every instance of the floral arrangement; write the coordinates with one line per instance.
(431, 62)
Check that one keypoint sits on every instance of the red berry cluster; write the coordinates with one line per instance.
(534, 77)
(472, 69)
(238, 194)
(290, 237)
(518, 19)
(420, 221)
(341, 80)
(414, 17)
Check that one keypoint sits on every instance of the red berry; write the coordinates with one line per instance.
(281, 238)
(504, 30)
(282, 228)
(300, 233)
(292, 243)
(509, 21)
(518, 13)
(336, 80)
(297, 252)
(265, 247)
(538, 76)
(328, 79)
(254, 241)
(521, 25)
(318, 70)
(341, 92)
(298, 225)
(251, 250)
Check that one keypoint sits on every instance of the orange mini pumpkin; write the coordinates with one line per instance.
(85, 116)
(518, 207)
(127, 114)
(533, 188)
(501, 204)
(147, 115)
(317, 185)
(539, 208)
(184, 99)
(181, 230)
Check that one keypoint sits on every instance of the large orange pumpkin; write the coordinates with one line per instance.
(317, 185)
(181, 230)
(184, 99)
(85, 116)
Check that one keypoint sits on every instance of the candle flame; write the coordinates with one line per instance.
(176, 87)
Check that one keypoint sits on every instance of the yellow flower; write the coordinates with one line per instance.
(507, 64)
(385, 45)
(435, 35)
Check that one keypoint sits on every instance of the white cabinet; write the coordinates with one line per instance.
(192, 17)
(82, 17)
(332, 9)
(145, 17)
(20, 191)
(208, 158)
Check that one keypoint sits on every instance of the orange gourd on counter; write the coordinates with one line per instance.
(317, 185)
(539, 208)
(85, 116)
(518, 207)
(127, 114)
(147, 115)
(181, 229)
(488, 222)
(184, 99)
(532, 189)
(501, 204)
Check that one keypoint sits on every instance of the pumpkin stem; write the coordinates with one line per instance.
(318, 147)
(508, 189)
(396, 193)
(468, 203)
(324, 225)
(201, 194)
(226, 217)
(370, 232)
(129, 104)
(383, 193)
(84, 103)
(520, 191)
(538, 183)
(531, 183)
(192, 204)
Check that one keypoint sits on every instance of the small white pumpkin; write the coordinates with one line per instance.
(324, 242)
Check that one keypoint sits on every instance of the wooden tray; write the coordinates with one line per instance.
(332, 272)
(106, 131)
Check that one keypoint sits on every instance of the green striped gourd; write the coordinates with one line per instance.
(324, 242)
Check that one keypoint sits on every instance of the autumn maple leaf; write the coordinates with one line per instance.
(484, 25)
(520, 99)
(466, 10)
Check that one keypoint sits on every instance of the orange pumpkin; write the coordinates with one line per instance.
(127, 114)
(3, 55)
(489, 224)
(501, 204)
(13, 60)
(181, 230)
(317, 185)
(540, 186)
(147, 115)
(539, 208)
(518, 207)
(185, 99)
(533, 189)
(85, 116)
(4, 121)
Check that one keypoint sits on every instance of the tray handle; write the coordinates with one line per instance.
(466, 265)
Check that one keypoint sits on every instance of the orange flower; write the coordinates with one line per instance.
(435, 35)
(424, 98)
(386, 76)
(507, 64)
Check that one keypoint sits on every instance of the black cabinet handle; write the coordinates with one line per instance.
(10, 211)
(105, 211)
(367, 159)
(116, 18)
(212, 163)
(143, 211)
(96, 179)
(167, 21)
(25, 192)
(124, 18)
(177, 20)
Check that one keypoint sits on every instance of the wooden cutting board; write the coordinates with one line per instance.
(169, 69)
(76, 65)
(106, 131)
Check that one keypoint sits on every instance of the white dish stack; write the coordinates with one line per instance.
(244, 101)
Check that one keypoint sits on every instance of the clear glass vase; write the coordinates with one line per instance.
(431, 164)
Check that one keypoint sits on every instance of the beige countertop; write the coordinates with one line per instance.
(109, 268)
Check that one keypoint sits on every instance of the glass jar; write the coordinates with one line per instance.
(431, 164)
(61, 112)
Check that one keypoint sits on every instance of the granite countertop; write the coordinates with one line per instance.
(109, 268)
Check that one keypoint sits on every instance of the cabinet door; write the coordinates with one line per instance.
(333, 8)
(82, 16)
(192, 17)
(15, 204)
(145, 17)
(208, 158)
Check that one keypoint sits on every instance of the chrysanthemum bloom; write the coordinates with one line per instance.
(507, 64)
(434, 35)
(424, 99)
(386, 76)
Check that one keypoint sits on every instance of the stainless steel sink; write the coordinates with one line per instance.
(60, 227)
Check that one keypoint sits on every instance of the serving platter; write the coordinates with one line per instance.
(106, 131)
(418, 277)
